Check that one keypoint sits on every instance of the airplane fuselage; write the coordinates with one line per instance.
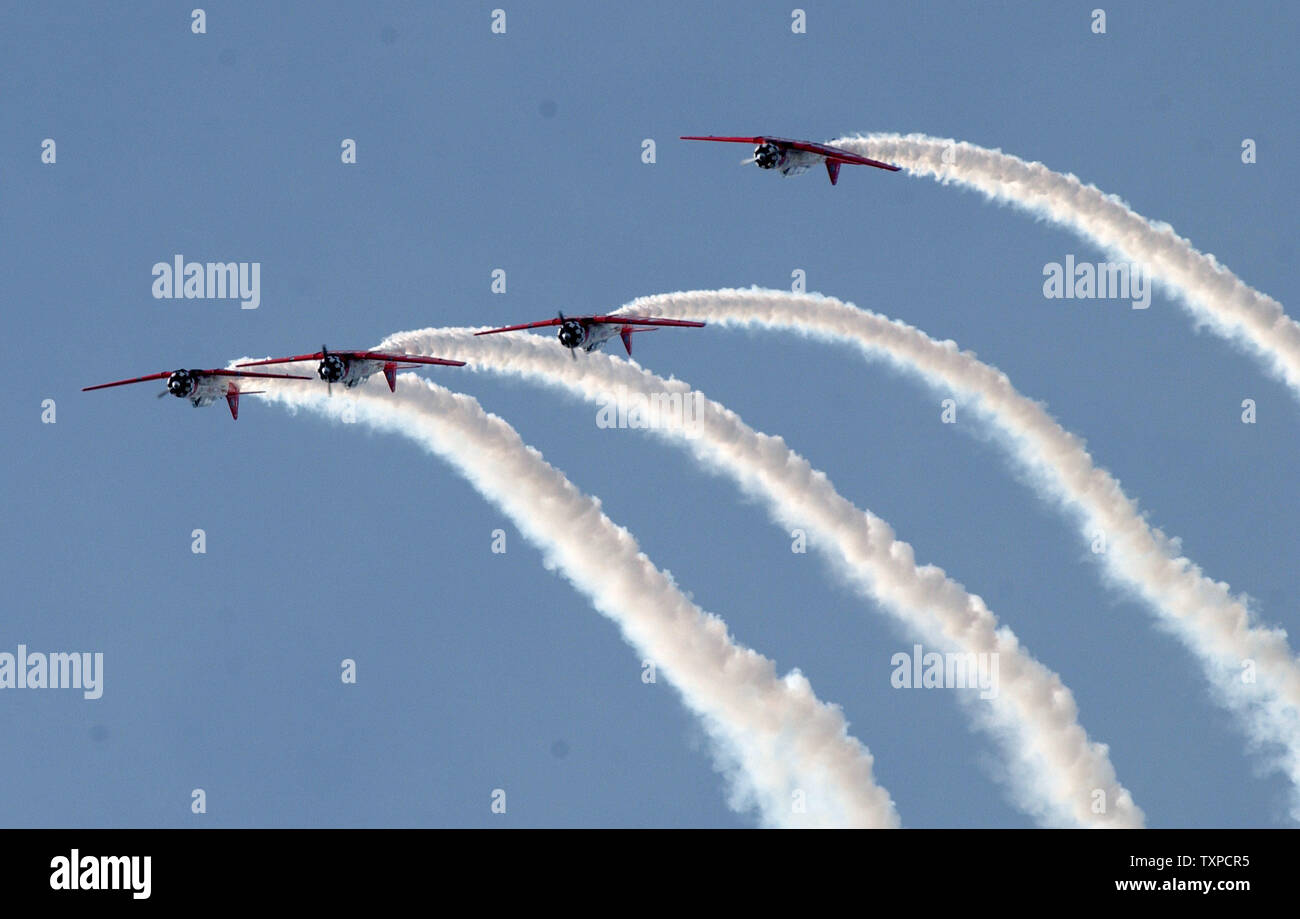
(360, 371)
(788, 161)
(200, 389)
(797, 162)
(206, 395)
(350, 372)
(597, 335)
(574, 333)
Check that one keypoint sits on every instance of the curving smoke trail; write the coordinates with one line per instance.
(784, 751)
(1057, 773)
(1212, 293)
(1220, 629)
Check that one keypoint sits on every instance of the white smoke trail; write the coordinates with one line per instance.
(1212, 293)
(784, 751)
(1221, 630)
(1057, 774)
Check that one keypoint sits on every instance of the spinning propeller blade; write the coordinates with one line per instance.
(572, 353)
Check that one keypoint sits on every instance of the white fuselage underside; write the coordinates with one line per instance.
(359, 371)
(598, 334)
(797, 162)
(208, 389)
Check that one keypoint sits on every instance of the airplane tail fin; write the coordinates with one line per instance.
(232, 399)
(626, 334)
(390, 374)
(833, 169)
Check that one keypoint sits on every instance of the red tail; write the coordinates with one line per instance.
(833, 168)
(390, 374)
(626, 334)
(232, 399)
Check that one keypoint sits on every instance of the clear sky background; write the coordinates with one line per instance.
(522, 151)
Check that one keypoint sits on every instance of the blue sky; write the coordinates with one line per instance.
(522, 151)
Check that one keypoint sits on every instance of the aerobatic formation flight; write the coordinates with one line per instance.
(929, 510)
(352, 368)
(589, 333)
(1056, 768)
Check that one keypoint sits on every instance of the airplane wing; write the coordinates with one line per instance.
(152, 376)
(533, 325)
(243, 373)
(286, 360)
(358, 355)
(223, 373)
(835, 153)
(398, 358)
(737, 140)
(638, 320)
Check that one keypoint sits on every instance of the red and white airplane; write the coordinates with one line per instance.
(795, 157)
(590, 332)
(203, 387)
(352, 368)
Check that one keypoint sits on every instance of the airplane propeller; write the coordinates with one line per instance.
(324, 356)
(572, 348)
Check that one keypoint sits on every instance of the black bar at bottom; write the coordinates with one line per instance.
(927, 867)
